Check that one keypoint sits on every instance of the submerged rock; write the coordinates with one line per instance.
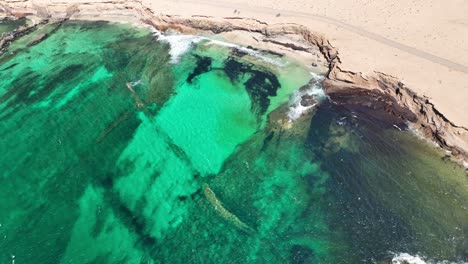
(308, 100)
(38, 39)
(223, 212)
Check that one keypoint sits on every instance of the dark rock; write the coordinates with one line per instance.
(238, 52)
(308, 100)
(373, 105)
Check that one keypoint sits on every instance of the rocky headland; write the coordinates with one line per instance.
(381, 95)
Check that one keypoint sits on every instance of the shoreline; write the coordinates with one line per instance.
(291, 39)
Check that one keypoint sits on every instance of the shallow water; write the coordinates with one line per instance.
(10, 25)
(198, 162)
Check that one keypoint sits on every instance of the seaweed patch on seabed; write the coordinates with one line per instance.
(261, 84)
(203, 66)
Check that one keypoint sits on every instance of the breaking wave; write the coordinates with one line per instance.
(405, 258)
(296, 109)
(181, 44)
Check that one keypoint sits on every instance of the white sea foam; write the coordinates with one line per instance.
(136, 83)
(315, 90)
(221, 43)
(405, 258)
(317, 77)
(250, 52)
(181, 44)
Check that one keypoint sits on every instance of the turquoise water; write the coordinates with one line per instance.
(197, 162)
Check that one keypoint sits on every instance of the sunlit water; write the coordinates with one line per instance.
(199, 161)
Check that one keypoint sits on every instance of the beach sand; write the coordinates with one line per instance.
(424, 43)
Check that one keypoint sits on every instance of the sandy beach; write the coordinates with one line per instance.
(414, 41)
(138, 131)
(411, 40)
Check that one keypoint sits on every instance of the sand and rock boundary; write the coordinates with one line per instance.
(378, 92)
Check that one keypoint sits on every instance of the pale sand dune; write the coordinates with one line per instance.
(422, 42)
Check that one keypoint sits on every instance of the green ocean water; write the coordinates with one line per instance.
(10, 25)
(197, 163)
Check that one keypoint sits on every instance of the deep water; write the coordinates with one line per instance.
(117, 147)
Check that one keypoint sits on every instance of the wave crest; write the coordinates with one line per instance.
(405, 258)
(314, 89)
(181, 44)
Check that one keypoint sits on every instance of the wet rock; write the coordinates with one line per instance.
(373, 105)
(308, 100)
(390, 97)
(238, 52)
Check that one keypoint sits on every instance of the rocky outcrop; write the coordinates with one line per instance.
(308, 100)
(7, 38)
(384, 92)
(95, 9)
(424, 117)
(42, 17)
(223, 212)
(37, 40)
(416, 111)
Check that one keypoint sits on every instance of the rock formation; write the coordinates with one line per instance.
(392, 96)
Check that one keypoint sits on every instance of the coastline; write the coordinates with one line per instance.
(169, 146)
(291, 39)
